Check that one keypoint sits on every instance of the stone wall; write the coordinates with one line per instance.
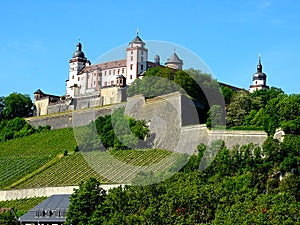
(166, 117)
(6, 195)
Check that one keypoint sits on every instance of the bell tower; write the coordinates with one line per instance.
(136, 59)
(259, 78)
(76, 64)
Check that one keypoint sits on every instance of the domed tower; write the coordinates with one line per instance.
(157, 59)
(174, 62)
(136, 59)
(76, 64)
(259, 78)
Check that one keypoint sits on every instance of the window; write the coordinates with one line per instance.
(109, 72)
(105, 73)
(142, 67)
(118, 71)
(114, 72)
(142, 52)
(131, 58)
(142, 58)
(122, 70)
(94, 83)
(78, 79)
(130, 76)
(131, 66)
(105, 83)
(112, 82)
(73, 77)
(131, 51)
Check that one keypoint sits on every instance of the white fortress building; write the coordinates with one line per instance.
(101, 84)
(85, 78)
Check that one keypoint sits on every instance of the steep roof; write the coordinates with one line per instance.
(53, 209)
(137, 39)
(174, 59)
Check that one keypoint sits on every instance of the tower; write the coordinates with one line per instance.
(76, 64)
(136, 59)
(174, 62)
(259, 79)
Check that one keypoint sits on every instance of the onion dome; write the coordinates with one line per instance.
(78, 52)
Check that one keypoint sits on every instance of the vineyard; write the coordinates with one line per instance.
(108, 167)
(21, 206)
(48, 159)
(20, 157)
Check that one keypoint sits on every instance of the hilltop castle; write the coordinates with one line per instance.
(106, 83)
(101, 84)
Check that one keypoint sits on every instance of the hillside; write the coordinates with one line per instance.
(21, 157)
(48, 159)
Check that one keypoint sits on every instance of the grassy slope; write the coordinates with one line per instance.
(20, 157)
(38, 161)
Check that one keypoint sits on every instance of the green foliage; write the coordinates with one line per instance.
(16, 105)
(17, 127)
(216, 117)
(200, 86)
(22, 156)
(84, 201)
(8, 218)
(268, 109)
(21, 206)
(241, 186)
(227, 94)
(119, 131)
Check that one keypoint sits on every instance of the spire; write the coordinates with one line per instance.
(259, 66)
(137, 31)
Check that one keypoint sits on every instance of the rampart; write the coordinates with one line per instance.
(171, 118)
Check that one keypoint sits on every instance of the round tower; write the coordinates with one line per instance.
(174, 62)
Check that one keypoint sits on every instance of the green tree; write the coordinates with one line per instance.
(17, 105)
(227, 94)
(8, 218)
(84, 202)
(238, 109)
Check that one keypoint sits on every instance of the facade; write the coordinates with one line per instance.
(52, 211)
(86, 79)
(101, 84)
(259, 79)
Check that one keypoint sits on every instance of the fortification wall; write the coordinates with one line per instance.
(166, 117)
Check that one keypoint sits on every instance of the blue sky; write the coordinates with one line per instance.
(38, 38)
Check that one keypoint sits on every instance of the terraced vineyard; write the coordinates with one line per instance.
(21, 206)
(20, 157)
(108, 167)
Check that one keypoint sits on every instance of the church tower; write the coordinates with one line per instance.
(136, 59)
(259, 79)
(76, 64)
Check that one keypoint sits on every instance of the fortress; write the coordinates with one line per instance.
(106, 83)
(97, 89)
(101, 84)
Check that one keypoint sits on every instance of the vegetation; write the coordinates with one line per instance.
(201, 87)
(78, 167)
(242, 186)
(21, 206)
(15, 105)
(20, 157)
(265, 109)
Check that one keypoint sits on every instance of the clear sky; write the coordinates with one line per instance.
(38, 38)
